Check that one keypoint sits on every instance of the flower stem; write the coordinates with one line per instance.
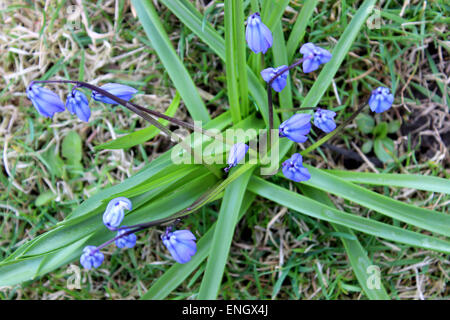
(144, 113)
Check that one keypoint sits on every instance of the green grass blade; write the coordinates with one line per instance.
(143, 135)
(161, 43)
(230, 63)
(223, 234)
(173, 277)
(339, 53)
(318, 210)
(419, 217)
(299, 29)
(356, 254)
(413, 181)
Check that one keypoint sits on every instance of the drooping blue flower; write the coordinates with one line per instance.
(181, 244)
(77, 103)
(114, 213)
(296, 128)
(293, 169)
(128, 241)
(119, 90)
(257, 34)
(381, 99)
(324, 120)
(280, 82)
(91, 257)
(46, 102)
(313, 57)
(237, 153)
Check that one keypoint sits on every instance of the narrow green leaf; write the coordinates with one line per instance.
(299, 29)
(143, 135)
(414, 181)
(318, 210)
(149, 19)
(339, 53)
(356, 254)
(230, 63)
(178, 273)
(223, 234)
(419, 217)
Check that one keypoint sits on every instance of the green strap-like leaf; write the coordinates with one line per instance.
(173, 277)
(161, 43)
(413, 181)
(357, 255)
(318, 210)
(223, 234)
(419, 217)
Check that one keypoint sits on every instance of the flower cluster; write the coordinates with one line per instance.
(181, 243)
(47, 103)
(296, 128)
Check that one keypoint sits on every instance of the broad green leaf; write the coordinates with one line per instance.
(381, 130)
(365, 123)
(383, 148)
(150, 20)
(71, 148)
(45, 198)
(367, 146)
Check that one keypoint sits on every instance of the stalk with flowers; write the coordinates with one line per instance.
(162, 195)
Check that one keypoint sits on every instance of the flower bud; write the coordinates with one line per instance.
(324, 120)
(91, 257)
(119, 90)
(114, 213)
(296, 128)
(294, 170)
(77, 103)
(258, 36)
(46, 102)
(313, 57)
(181, 244)
(381, 99)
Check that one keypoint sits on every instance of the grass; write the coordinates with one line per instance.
(276, 253)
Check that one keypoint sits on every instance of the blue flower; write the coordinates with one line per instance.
(293, 169)
(237, 153)
(313, 57)
(114, 213)
(258, 36)
(128, 241)
(381, 99)
(119, 90)
(77, 103)
(280, 82)
(91, 257)
(296, 128)
(46, 102)
(324, 120)
(181, 244)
